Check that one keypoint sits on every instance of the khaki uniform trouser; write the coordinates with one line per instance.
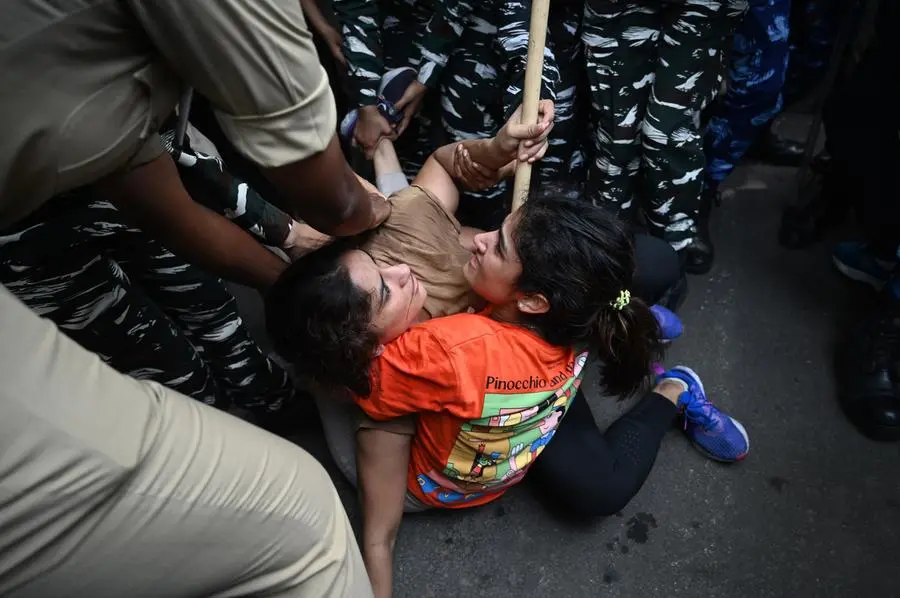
(115, 487)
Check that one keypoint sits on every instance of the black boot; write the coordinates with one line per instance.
(868, 372)
(775, 150)
(828, 205)
(697, 257)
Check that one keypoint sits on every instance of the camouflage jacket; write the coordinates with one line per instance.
(442, 25)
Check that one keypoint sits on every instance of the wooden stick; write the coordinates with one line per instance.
(531, 94)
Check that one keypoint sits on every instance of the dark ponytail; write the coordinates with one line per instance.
(628, 342)
(581, 257)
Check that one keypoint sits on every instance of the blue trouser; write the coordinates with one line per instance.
(757, 74)
(814, 31)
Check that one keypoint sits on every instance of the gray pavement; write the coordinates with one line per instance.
(814, 511)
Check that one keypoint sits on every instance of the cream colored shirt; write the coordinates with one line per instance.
(85, 85)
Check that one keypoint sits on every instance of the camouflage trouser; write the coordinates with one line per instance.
(147, 313)
(482, 86)
(401, 35)
(758, 65)
(472, 107)
(652, 67)
(565, 157)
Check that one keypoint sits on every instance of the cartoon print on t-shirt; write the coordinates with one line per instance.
(481, 461)
(494, 452)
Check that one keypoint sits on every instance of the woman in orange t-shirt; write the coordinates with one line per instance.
(490, 390)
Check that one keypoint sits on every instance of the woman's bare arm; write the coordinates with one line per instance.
(494, 157)
(382, 461)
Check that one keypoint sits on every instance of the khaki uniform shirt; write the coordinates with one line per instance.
(85, 85)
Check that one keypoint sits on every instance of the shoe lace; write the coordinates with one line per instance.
(702, 413)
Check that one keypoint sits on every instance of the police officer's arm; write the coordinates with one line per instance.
(256, 62)
(153, 196)
(320, 25)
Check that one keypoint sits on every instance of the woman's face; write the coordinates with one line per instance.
(494, 266)
(397, 296)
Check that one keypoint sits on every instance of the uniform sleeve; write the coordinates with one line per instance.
(416, 374)
(256, 62)
(360, 22)
(442, 33)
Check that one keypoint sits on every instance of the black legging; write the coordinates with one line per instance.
(584, 472)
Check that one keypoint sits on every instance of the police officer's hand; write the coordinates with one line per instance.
(409, 103)
(333, 38)
(370, 128)
(526, 143)
(381, 205)
(381, 208)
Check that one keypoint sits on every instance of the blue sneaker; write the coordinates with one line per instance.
(392, 87)
(856, 261)
(670, 326)
(715, 434)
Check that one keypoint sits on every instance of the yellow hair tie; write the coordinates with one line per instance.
(622, 300)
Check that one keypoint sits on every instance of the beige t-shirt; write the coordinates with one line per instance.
(86, 84)
(422, 234)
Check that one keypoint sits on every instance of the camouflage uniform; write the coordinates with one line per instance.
(379, 35)
(122, 295)
(757, 70)
(484, 76)
(652, 66)
(565, 157)
(149, 314)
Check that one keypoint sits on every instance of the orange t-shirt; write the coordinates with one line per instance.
(489, 397)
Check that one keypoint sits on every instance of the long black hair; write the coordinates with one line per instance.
(320, 321)
(581, 257)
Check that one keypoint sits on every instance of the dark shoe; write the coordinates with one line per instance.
(868, 373)
(775, 150)
(828, 207)
(697, 257)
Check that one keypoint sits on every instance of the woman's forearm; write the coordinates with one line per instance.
(488, 153)
(379, 561)
(483, 151)
(382, 461)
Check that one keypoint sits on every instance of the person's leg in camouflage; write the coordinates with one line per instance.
(687, 73)
(620, 45)
(402, 30)
(564, 160)
(757, 69)
(471, 105)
